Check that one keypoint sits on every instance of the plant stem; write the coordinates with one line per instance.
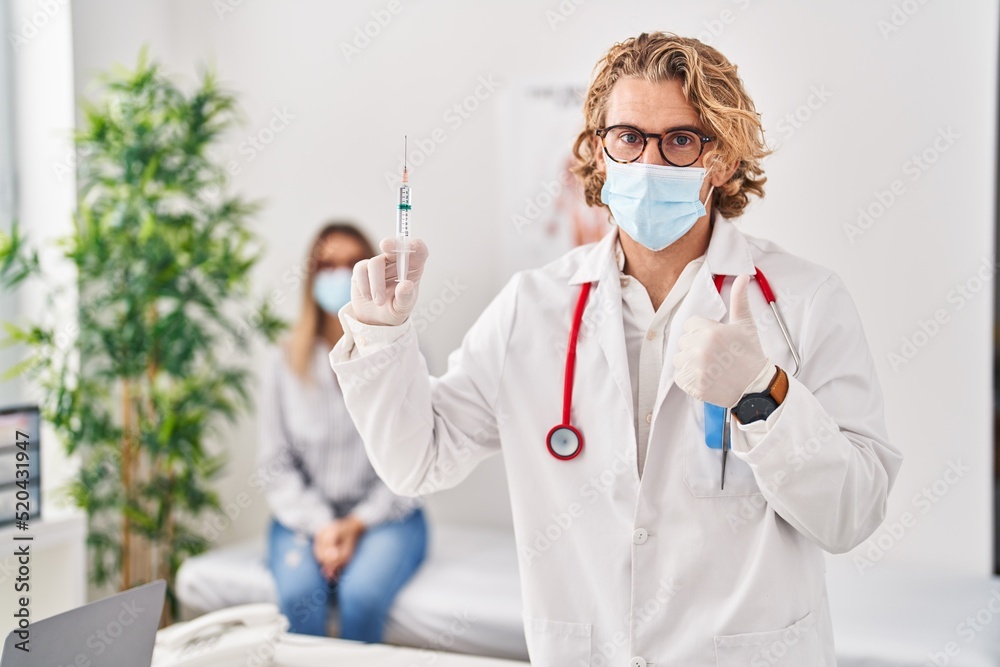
(126, 544)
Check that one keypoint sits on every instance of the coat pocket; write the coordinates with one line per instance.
(797, 645)
(703, 473)
(557, 643)
(703, 464)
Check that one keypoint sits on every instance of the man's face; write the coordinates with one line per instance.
(654, 107)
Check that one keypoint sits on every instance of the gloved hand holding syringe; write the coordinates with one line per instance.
(384, 288)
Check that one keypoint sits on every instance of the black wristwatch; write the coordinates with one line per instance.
(760, 405)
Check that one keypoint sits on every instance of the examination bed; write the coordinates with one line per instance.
(466, 598)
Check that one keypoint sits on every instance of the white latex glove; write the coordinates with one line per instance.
(719, 363)
(376, 297)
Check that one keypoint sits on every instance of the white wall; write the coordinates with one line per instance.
(10, 392)
(41, 102)
(889, 96)
(43, 125)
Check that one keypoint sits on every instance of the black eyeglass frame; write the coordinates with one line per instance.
(603, 133)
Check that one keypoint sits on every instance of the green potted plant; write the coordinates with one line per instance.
(162, 258)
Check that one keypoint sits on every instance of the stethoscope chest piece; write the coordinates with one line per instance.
(564, 441)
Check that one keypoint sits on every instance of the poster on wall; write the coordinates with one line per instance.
(545, 211)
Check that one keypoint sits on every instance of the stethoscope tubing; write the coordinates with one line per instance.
(772, 301)
(564, 429)
(574, 336)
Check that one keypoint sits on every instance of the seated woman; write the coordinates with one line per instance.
(335, 525)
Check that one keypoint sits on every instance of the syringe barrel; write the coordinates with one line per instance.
(403, 209)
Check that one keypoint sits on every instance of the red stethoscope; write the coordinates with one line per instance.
(564, 440)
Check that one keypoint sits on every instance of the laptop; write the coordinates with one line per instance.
(118, 631)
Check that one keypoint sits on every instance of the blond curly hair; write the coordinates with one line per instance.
(710, 84)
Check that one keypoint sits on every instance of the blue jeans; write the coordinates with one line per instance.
(386, 556)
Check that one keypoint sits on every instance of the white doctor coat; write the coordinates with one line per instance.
(668, 569)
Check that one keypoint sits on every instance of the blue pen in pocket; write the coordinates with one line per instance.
(715, 418)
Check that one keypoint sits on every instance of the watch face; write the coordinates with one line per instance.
(755, 408)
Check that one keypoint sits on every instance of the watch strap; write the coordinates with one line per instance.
(779, 386)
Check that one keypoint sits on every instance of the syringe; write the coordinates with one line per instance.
(403, 223)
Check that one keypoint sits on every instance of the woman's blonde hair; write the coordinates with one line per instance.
(309, 326)
(711, 86)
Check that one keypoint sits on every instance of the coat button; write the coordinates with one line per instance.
(639, 537)
(650, 335)
(649, 418)
(637, 661)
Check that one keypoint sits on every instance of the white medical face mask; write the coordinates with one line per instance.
(654, 204)
(332, 289)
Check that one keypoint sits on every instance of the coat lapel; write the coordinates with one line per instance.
(702, 300)
(603, 317)
(729, 255)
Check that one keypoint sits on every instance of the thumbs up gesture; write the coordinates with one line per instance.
(718, 363)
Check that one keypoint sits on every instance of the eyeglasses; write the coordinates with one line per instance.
(322, 265)
(680, 147)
